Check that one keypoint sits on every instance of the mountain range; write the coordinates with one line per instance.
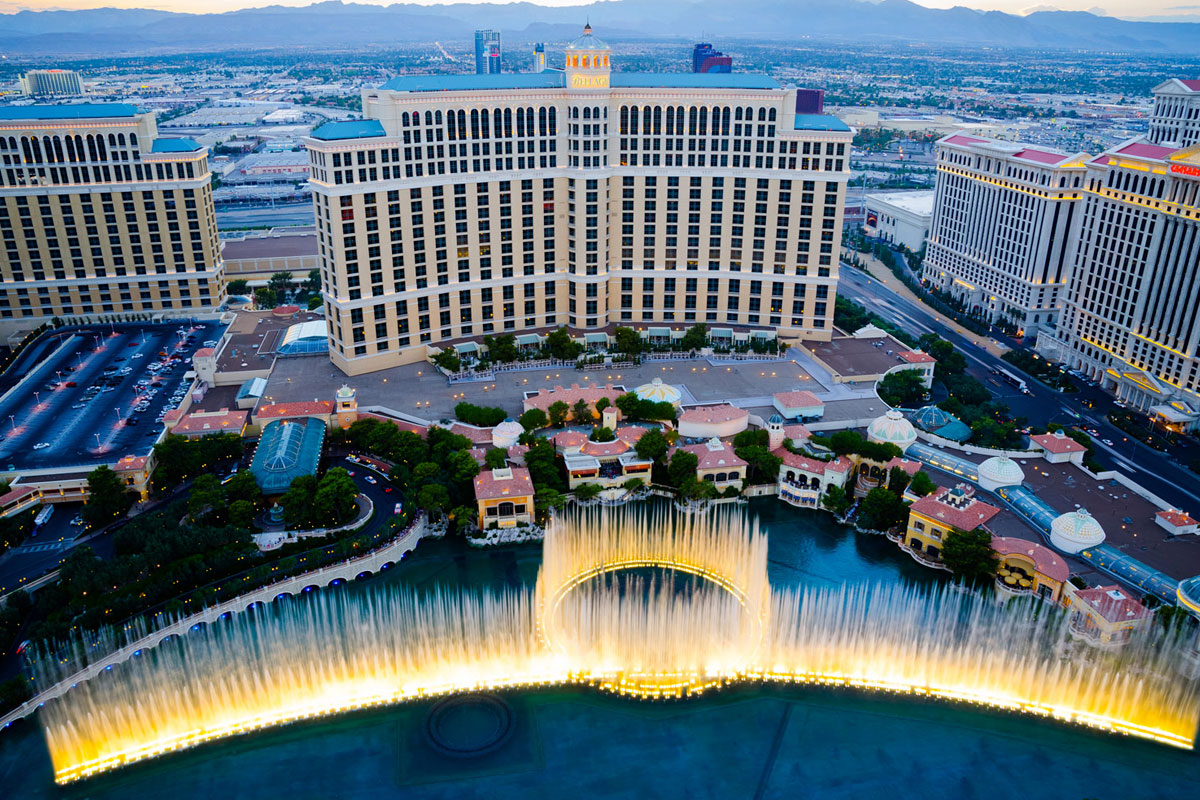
(337, 25)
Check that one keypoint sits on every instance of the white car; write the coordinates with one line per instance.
(41, 445)
(138, 355)
(210, 343)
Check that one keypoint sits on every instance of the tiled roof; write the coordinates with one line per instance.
(570, 439)
(819, 122)
(963, 140)
(1041, 156)
(545, 398)
(796, 432)
(800, 399)
(477, 435)
(349, 129)
(1045, 560)
(692, 80)
(1191, 83)
(173, 414)
(1146, 150)
(917, 357)
(1114, 603)
(312, 408)
(175, 146)
(212, 422)
(715, 459)
(839, 465)
(14, 494)
(603, 449)
(489, 487)
(402, 424)
(911, 467)
(1176, 518)
(204, 352)
(630, 434)
(718, 413)
(72, 111)
(555, 79)
(1055, 443)
(971, 516)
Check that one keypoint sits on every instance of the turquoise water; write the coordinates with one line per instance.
(749, 742)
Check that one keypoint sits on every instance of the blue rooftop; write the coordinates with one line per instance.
(550, 79)
(73, 111)
(175, 146)
(349, 129)
(819, 122)
(554, 79)
(691, 80)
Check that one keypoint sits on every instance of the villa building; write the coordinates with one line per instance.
(717, 464)
(1105, 615)
(468, 205)
(1030, 568)
(803, 480)
(1001, 236)
(504, 497)
(932, 518)
(100, 216)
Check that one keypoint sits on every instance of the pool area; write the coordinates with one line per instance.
(750, 741)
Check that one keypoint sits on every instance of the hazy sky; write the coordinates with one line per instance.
(1117, 8)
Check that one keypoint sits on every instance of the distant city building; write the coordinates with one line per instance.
(810, 101)
(1001, 235)
(487, 52)
(1175, 120)
(583, 198)
(900, 217)
(539, 57)
(51, 82)
(99, 216)
(706, 59)
(1131, 317)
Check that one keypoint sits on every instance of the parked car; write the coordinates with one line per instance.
(41, 445)
(396, 510)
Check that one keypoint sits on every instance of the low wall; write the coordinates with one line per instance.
(975, 449)
(1128, 483)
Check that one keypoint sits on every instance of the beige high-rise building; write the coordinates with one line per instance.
(48, 82)
(469, 205)
(1001, 236)
(99, 216)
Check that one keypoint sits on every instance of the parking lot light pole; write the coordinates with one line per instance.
(97, 440)
(118, 410)
(38, 396)
(13, 420)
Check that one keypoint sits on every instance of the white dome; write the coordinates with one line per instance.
(505, 434)
(658, 392)
(892, 428)
(1075, 531)
(1000, 471)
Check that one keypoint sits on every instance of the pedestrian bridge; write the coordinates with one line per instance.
(335, 574)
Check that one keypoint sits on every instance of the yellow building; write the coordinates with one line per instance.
(1029, 568)
(1105, 615)
(936, 515)
(504, 497)
(100, 216)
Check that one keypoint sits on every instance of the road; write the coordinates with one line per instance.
(1160, 473)
(279, 215)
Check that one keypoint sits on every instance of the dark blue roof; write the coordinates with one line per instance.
(550, 79)
(691, 80)
(554, 79)
(73, 111)
(819, 122)
(175, 146)
(350, 129)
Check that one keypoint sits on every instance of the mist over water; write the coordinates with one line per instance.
(588, 620)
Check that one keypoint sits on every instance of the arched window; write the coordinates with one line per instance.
(428, 117)
(771, 115)
(506, 509)
(553, 121)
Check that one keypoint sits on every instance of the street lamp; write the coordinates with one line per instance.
(97, 440)
(38, 396)
(118, 410)
(13, 420)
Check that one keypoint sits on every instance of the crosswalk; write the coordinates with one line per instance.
(40, 547)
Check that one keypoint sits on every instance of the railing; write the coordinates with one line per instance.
(346, 570)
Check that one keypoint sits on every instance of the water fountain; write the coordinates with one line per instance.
(336, 651)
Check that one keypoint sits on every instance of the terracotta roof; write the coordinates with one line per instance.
(601, 449)
(715, 459)
(970, 516)
(1146, 150)
(489, 487)
(630, 433)
(545, 398)
(799, 399)
(1041, 156)
(173, 414)
(1052, 443)
(960, 139)
(402, 424)
(812, 465)
(312, 408)
(15, 494)
(911, 467)
(477, 435)
(130, 463)
(212, 422)
(718, 413)
(570, 439)
(796, 432)
(1045, 560)
(1191, 83)
(1176, 518)
(1114, 603)
(917, 357)
(204, 352)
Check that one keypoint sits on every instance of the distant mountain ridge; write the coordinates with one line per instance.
(334, 24)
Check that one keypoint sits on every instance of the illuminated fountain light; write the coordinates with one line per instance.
(642, 637)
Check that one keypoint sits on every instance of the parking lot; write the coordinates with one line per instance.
(98, 393)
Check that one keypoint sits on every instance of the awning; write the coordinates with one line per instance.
(762, 335)
(529, 338)
(467, 347)
(1171, 414)
(721, 333)
(599, 338)
(659, 332)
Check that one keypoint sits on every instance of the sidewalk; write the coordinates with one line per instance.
(882, 274)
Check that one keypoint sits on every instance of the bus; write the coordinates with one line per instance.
(43, 516)
(1008, 377)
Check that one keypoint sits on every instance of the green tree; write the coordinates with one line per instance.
(628, 341)
(433, 499)
(280, 283)
(682, 468)
(695, 337)
(922, 484)
(297, 502)
(237, 286)
(561, 346)
(315, 302)
(464, 518)
(581, 412)
(546, 501)
(602, 404)
(836, 499)
(652, 446)
(495, 458)
(694, 489)
(425, 473)
(970, 556)
(633, 484)
(241, 513)
(243, 486)
(448, 360)
(628, 405)
(586, 491)
(533, 419)
(107, 499)
(603, 434)
(481, 416)
(207, 497)
(313, 283)
(762, 466)
(898, 481)
(463, 467)
(559, 411)
(502, 349)
(752, 437)
(543, 463)
(881, 510)
(334, 502)
(902, 388)
(265, 297)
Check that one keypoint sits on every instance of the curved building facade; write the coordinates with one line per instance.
(467, 205)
